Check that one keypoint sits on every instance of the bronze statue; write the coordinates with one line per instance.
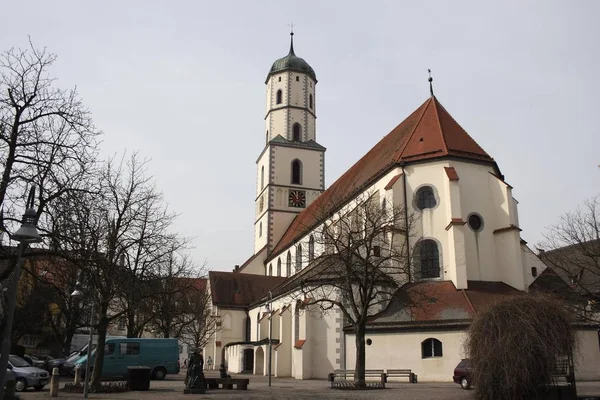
(194, 380)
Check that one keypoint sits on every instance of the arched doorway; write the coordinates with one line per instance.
(259, 362)
(248, 360)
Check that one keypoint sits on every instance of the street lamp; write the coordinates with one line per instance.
(26, 234)
(270, 306)
(78, 295)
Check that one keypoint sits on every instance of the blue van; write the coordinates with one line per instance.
(161, 355)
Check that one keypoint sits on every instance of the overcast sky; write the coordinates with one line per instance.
(183, 83)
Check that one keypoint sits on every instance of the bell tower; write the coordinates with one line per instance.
(290, 168)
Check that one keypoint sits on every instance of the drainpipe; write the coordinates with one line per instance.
(406, 221)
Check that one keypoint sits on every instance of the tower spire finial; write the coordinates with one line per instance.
(430, 83)
(291, 25)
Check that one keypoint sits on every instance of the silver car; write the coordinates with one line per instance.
(26, 375)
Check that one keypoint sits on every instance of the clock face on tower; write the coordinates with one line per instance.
(297, 198)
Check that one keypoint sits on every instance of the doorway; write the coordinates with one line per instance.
(248, 360)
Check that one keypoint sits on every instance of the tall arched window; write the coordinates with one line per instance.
(279, 96)
(297, 323)
(279, 267)
(299, 258)
(267, 137)
(260, 229)
(311, 248)
(289, 261)
(270, 269)
(262, 177)
(296, 172)
(297, 132)
(310, 101)
(288, 269)
(427, 260)
(431, 348)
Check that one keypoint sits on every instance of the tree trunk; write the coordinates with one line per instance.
(99, 358)
(359, 368)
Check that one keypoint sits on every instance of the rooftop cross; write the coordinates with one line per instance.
(291, 25)
(430, 83)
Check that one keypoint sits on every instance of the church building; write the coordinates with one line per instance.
(467, 248)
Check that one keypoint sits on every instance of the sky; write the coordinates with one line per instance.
(182, 82)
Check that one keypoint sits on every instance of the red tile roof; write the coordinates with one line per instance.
(232, 289)
(428, 133)
(451, 172)
(438, 301)
(299, 343)
(392, 182)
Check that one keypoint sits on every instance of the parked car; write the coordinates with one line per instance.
(34, 361)
(67, 367)
(161, 355)
(462, 374)
(55, 363)
(27, 375)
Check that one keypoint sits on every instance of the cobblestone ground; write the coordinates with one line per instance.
(285, 388)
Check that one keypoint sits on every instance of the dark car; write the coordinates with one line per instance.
(34, 361)
(462, 374)
(56, 363)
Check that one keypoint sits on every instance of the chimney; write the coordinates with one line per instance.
(236, 268)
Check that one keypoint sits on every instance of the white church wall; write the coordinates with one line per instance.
(530, 261)
(257, 265)
(277, 124)
(403, 350)
(232, 329)
(283, 357)
(311, 168)
(322, 341)
(587, 360)
(430, 223)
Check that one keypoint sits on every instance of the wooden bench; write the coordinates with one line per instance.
(227, 383)
(344, 378)
(401, 373)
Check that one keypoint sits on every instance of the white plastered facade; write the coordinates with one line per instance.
(311, 345)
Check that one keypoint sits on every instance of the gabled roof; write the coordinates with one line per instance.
(577, 264)
(428, 133)
(440, 301)
(232, 289)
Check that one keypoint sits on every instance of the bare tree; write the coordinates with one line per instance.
(201, 324)
(174, 291)
(56, 278)
(571, 248)
(358, 259)
(46, 135)
(105, 229)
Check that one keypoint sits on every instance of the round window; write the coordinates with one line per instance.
(475, 222)
(369, 342)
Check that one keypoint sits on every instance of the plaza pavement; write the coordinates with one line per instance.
(287, 388)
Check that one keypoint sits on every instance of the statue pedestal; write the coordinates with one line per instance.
(194, 391)
(198, 386)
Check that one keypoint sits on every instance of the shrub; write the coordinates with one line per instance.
(515, 346)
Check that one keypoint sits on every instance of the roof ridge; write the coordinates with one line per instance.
(437, 117)
(399, 156)
(468, 300)
(465, 131)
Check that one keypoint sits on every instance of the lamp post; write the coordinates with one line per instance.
(26, 234)
(78, 295)
(270, 335)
